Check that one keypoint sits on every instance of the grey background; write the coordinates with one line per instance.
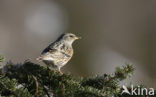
(114, 32)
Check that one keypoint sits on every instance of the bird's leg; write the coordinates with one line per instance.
(60, 72)
(59, 69)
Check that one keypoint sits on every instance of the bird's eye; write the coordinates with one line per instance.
(71, 36)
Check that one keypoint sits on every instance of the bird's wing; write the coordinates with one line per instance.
(57, 50)
(55, 53)
(49, 48)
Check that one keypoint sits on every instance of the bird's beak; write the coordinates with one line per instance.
(77, 37)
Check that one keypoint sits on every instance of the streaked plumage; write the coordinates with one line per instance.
(58, 53)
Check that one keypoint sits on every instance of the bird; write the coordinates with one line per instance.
(58, 53)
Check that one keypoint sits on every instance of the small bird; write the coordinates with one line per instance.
(58, 53)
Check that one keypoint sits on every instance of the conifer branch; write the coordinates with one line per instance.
(32, 80)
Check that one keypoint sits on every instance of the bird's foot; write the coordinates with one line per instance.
(60, 72)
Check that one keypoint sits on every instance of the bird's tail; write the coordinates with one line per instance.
(39, 59)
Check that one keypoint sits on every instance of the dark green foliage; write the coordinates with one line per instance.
(1, 58)
(10, 88)
(32, 80)
(109, 83)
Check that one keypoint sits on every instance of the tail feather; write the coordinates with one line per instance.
(39, 58)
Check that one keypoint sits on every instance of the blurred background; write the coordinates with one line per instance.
(114, 32)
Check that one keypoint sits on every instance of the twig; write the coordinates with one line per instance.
(63, 90)
(44, 88)
(36, 85)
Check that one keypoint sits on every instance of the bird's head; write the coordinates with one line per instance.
(70, 37)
